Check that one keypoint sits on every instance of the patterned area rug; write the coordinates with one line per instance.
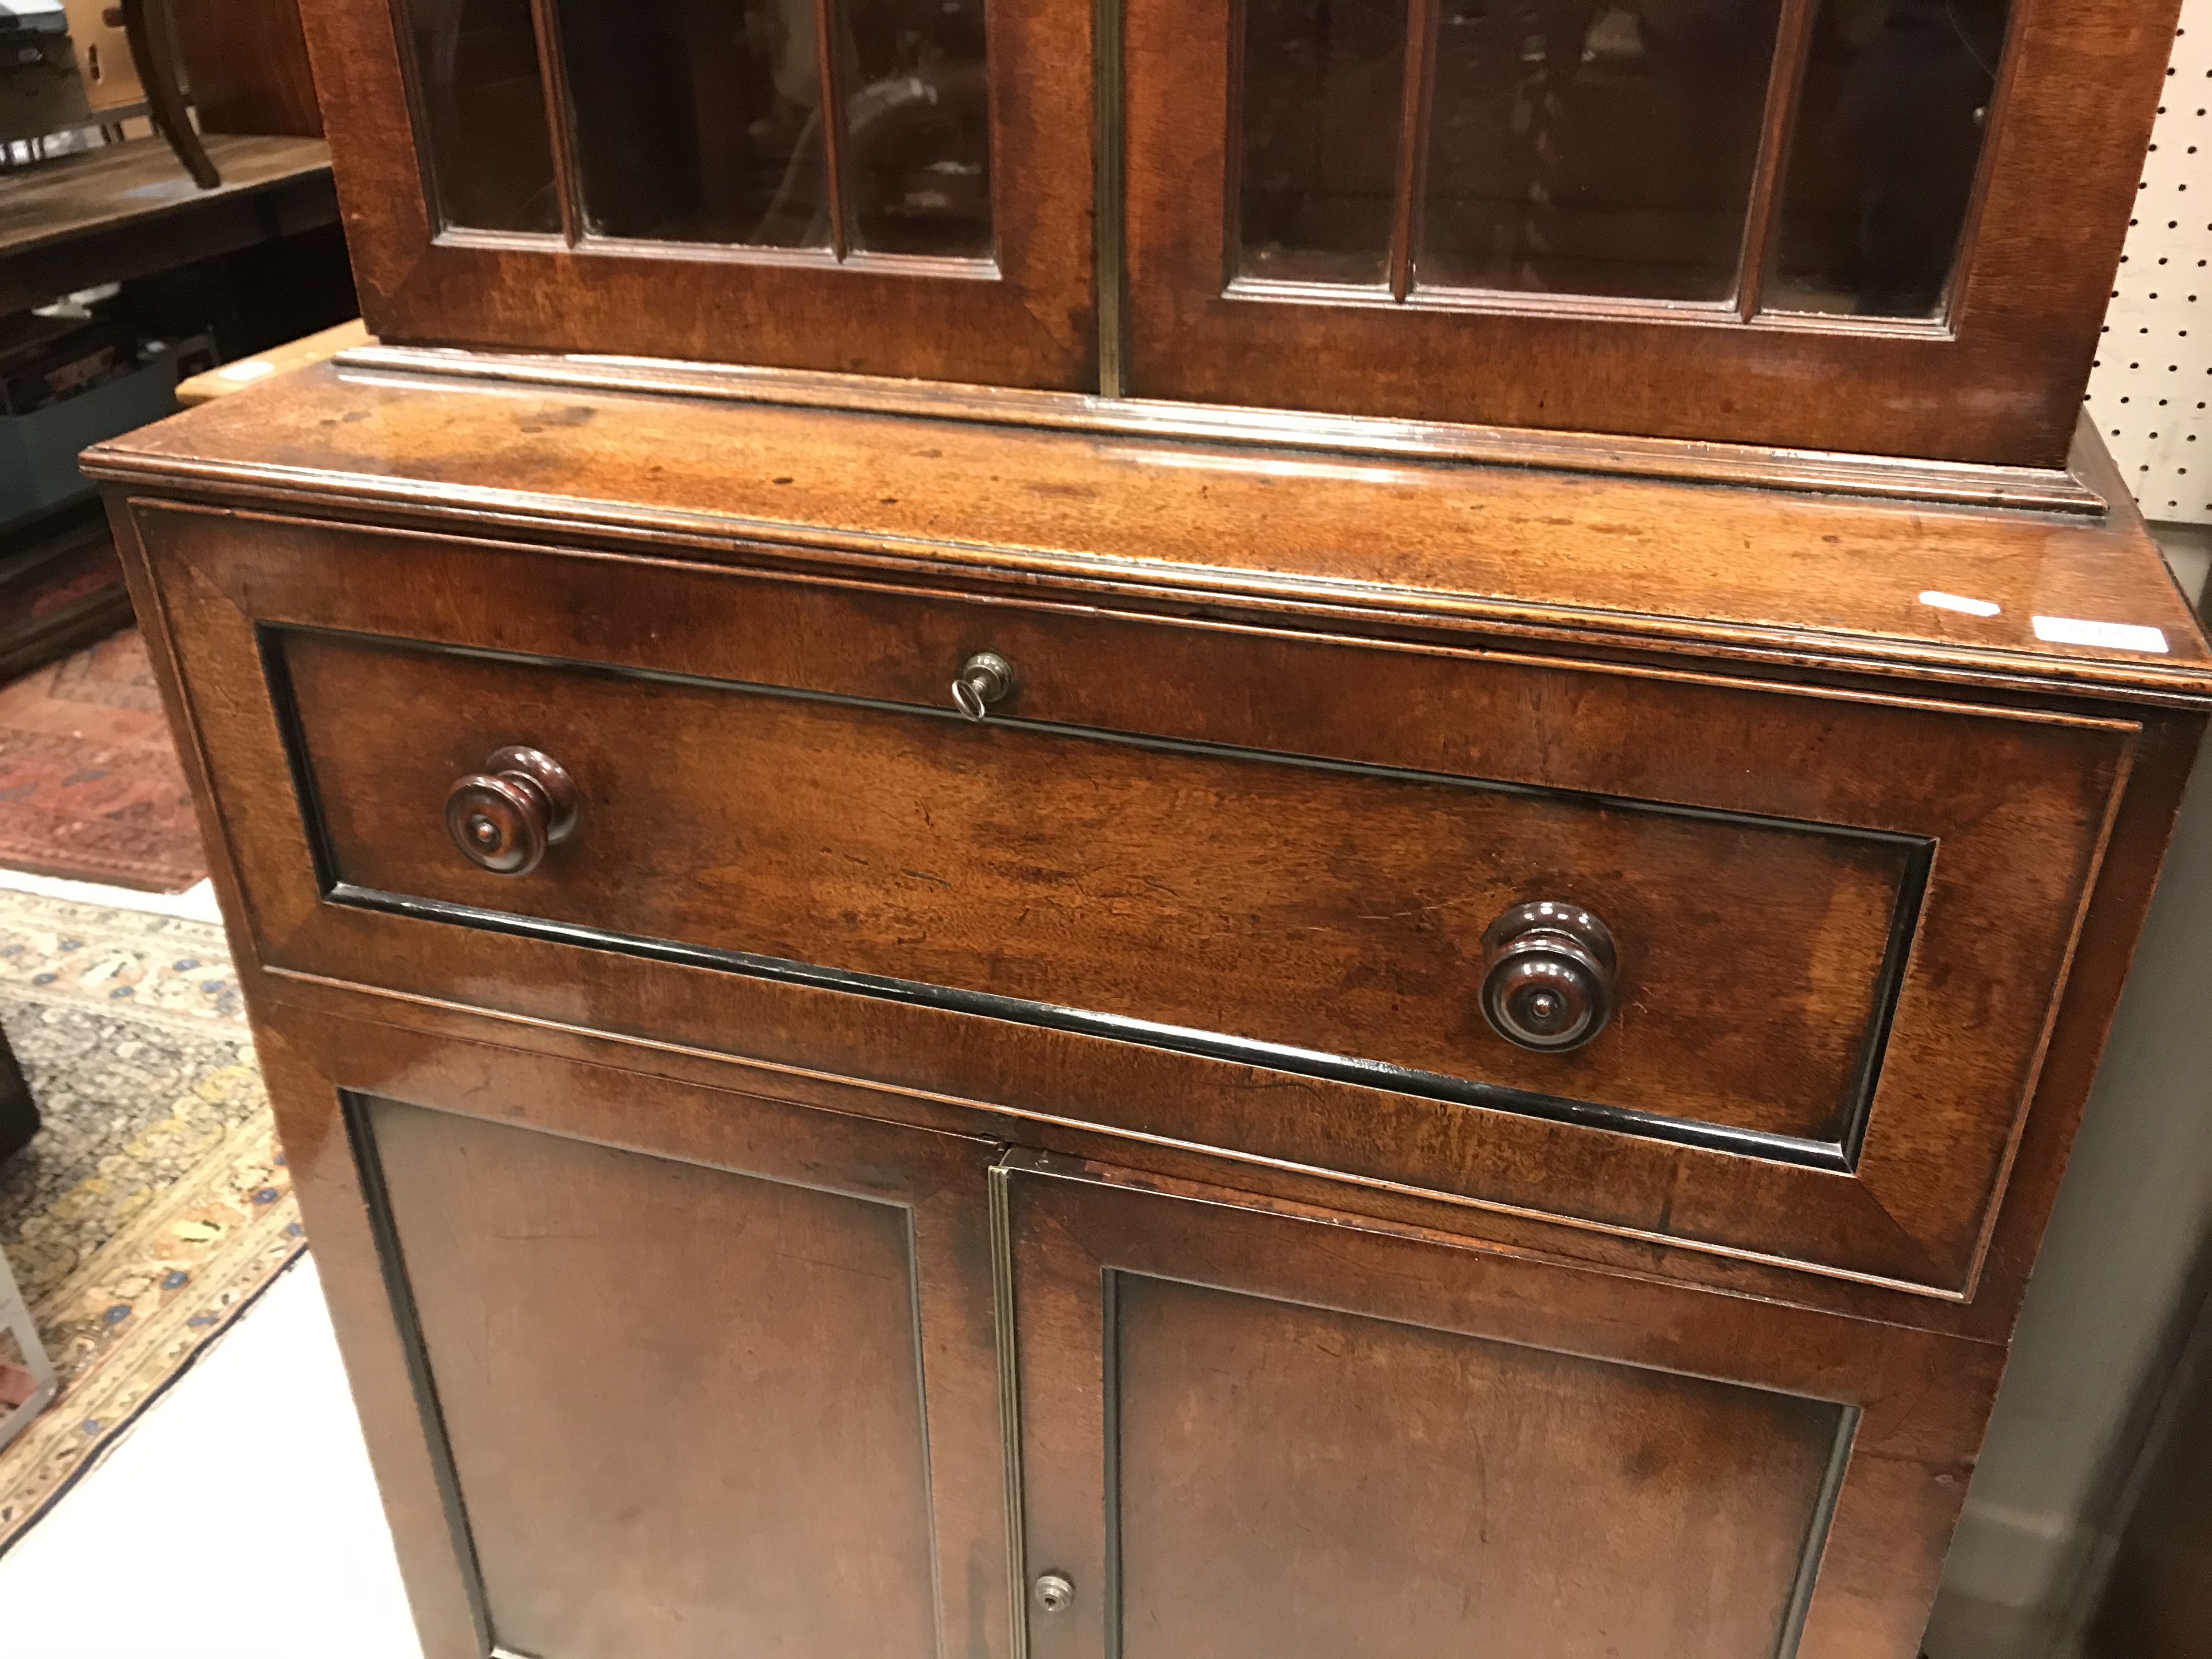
(154, 1204)
(90, 787)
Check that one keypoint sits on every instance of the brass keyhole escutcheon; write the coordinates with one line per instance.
(987, 679)
(1054, 1591)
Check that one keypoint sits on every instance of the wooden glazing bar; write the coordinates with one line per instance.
(2002, 99)
(1413, 147)
(1793, 41)
(1232, 150)
(828, 59)
(560, 131)
(1110, 183)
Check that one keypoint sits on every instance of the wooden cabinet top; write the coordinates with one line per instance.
(1872, 227)
(1798, 582)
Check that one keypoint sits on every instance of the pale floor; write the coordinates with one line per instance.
(238, 1514)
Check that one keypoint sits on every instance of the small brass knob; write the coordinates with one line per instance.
(504, 817)
(1055, 1592)
(1548, 975)
(987, 679)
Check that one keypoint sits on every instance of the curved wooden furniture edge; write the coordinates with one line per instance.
(154, 49)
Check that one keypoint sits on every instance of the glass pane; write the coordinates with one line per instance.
(917, 117)
(1322, 83)
(484, 114)
(1577, 147)
(698, 120)
(1888, 138)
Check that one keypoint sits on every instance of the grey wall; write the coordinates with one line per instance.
(2104, 1311)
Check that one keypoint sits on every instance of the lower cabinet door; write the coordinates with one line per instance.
(1248, 1431)
(708, 1375)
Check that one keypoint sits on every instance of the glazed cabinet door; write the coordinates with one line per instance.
(896, 187)
(1671, 221)
(1248, 1430)
(650, 1369)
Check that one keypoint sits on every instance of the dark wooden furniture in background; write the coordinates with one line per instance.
(215, 66)
(127, 210)
(247, 63)
(925, 1019)
(162, 74)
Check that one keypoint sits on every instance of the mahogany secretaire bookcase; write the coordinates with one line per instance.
(1185, 829)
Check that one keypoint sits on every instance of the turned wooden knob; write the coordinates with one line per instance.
(505, 817)
(1548, 975)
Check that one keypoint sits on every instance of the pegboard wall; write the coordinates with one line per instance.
(2153, 375)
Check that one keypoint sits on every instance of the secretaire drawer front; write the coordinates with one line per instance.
(1752, 968)
(1191, 896)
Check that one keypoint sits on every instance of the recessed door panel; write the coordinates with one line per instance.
(1251, 1428)
(1394, 1492)
(684, 1405)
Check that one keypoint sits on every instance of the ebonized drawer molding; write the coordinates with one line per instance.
(1910, 856)
(1217, 886)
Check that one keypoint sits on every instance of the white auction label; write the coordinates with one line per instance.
(2113, 636)
(1957, 602)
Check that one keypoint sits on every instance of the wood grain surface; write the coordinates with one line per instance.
(1370, 1390)
(2019, 804)
(702, 1383)
(1474, 1491)
(247, 63)
(1022, 318)
(646, 1364)
(1339, 542)
(130, 209)
(1280, 717)
(1242, 892)
(2081, 81)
